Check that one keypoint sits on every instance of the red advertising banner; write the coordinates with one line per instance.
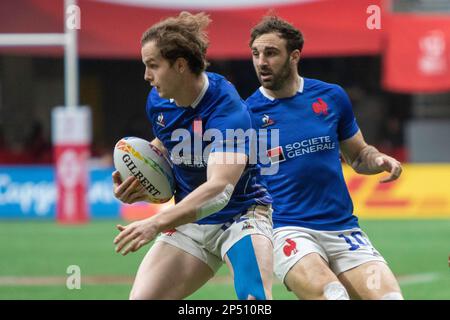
(71, 135)
(330, 27)
(417, 57)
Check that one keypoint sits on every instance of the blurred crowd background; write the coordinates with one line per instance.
(31, 83)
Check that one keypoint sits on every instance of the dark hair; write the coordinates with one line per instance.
(182, 37)
(273, 24)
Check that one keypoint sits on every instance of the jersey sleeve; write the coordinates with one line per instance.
(347, 126)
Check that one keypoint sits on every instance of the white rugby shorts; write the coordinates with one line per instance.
(210, 242)
(343, 250)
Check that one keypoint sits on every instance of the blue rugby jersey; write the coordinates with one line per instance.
(218, 108)
(309, 189)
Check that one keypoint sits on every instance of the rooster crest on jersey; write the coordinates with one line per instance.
(320, 107)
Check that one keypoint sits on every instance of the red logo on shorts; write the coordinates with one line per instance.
(320, 107)
(170, 232)
(290, 248)
(246, 225)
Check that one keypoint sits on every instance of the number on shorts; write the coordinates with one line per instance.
(358, 238)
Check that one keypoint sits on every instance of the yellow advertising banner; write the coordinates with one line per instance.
(422, 191)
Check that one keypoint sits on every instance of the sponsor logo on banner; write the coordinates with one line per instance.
(407, 197)
(71, 137)
(433, 57)
(30, 192)
(72, 183)
(27, 192)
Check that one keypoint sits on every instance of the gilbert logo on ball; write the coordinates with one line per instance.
(137, 157)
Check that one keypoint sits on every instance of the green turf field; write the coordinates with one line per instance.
(35, 256)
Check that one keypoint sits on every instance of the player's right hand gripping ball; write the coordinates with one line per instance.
(138, 157)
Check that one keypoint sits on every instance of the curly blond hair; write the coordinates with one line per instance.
(183, 36)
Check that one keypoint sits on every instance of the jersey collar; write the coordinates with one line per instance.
(201, 94)
(268, 96)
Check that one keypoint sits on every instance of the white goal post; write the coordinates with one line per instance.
(68, 40)
(71, 123)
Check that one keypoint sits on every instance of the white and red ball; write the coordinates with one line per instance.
(138, 157)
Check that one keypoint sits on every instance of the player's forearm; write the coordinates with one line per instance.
(365, 161)
(190, 208)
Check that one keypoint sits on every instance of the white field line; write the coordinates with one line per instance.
(418, 278)
(127, 280)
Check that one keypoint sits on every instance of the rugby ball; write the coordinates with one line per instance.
(138, 157)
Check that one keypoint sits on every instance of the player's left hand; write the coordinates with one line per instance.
(135, 235)
(388, 164)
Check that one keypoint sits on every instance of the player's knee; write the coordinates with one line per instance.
(335, 291)
(254, 295)
(392, 296)
(136, 294)
(323, 286)
(251, 286)
(253, 290)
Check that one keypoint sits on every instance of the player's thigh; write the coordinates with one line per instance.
(361, 268)
(301, 263)
(372, 280)
(264, 256)
(256, 255)
(310, 278)
(247, 248)
(168, 272)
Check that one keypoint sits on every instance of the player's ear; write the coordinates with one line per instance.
(295, 56)
(181, 65)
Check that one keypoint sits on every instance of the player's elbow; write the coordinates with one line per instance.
(216, 203)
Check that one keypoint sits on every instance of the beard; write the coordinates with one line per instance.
(278, 79)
